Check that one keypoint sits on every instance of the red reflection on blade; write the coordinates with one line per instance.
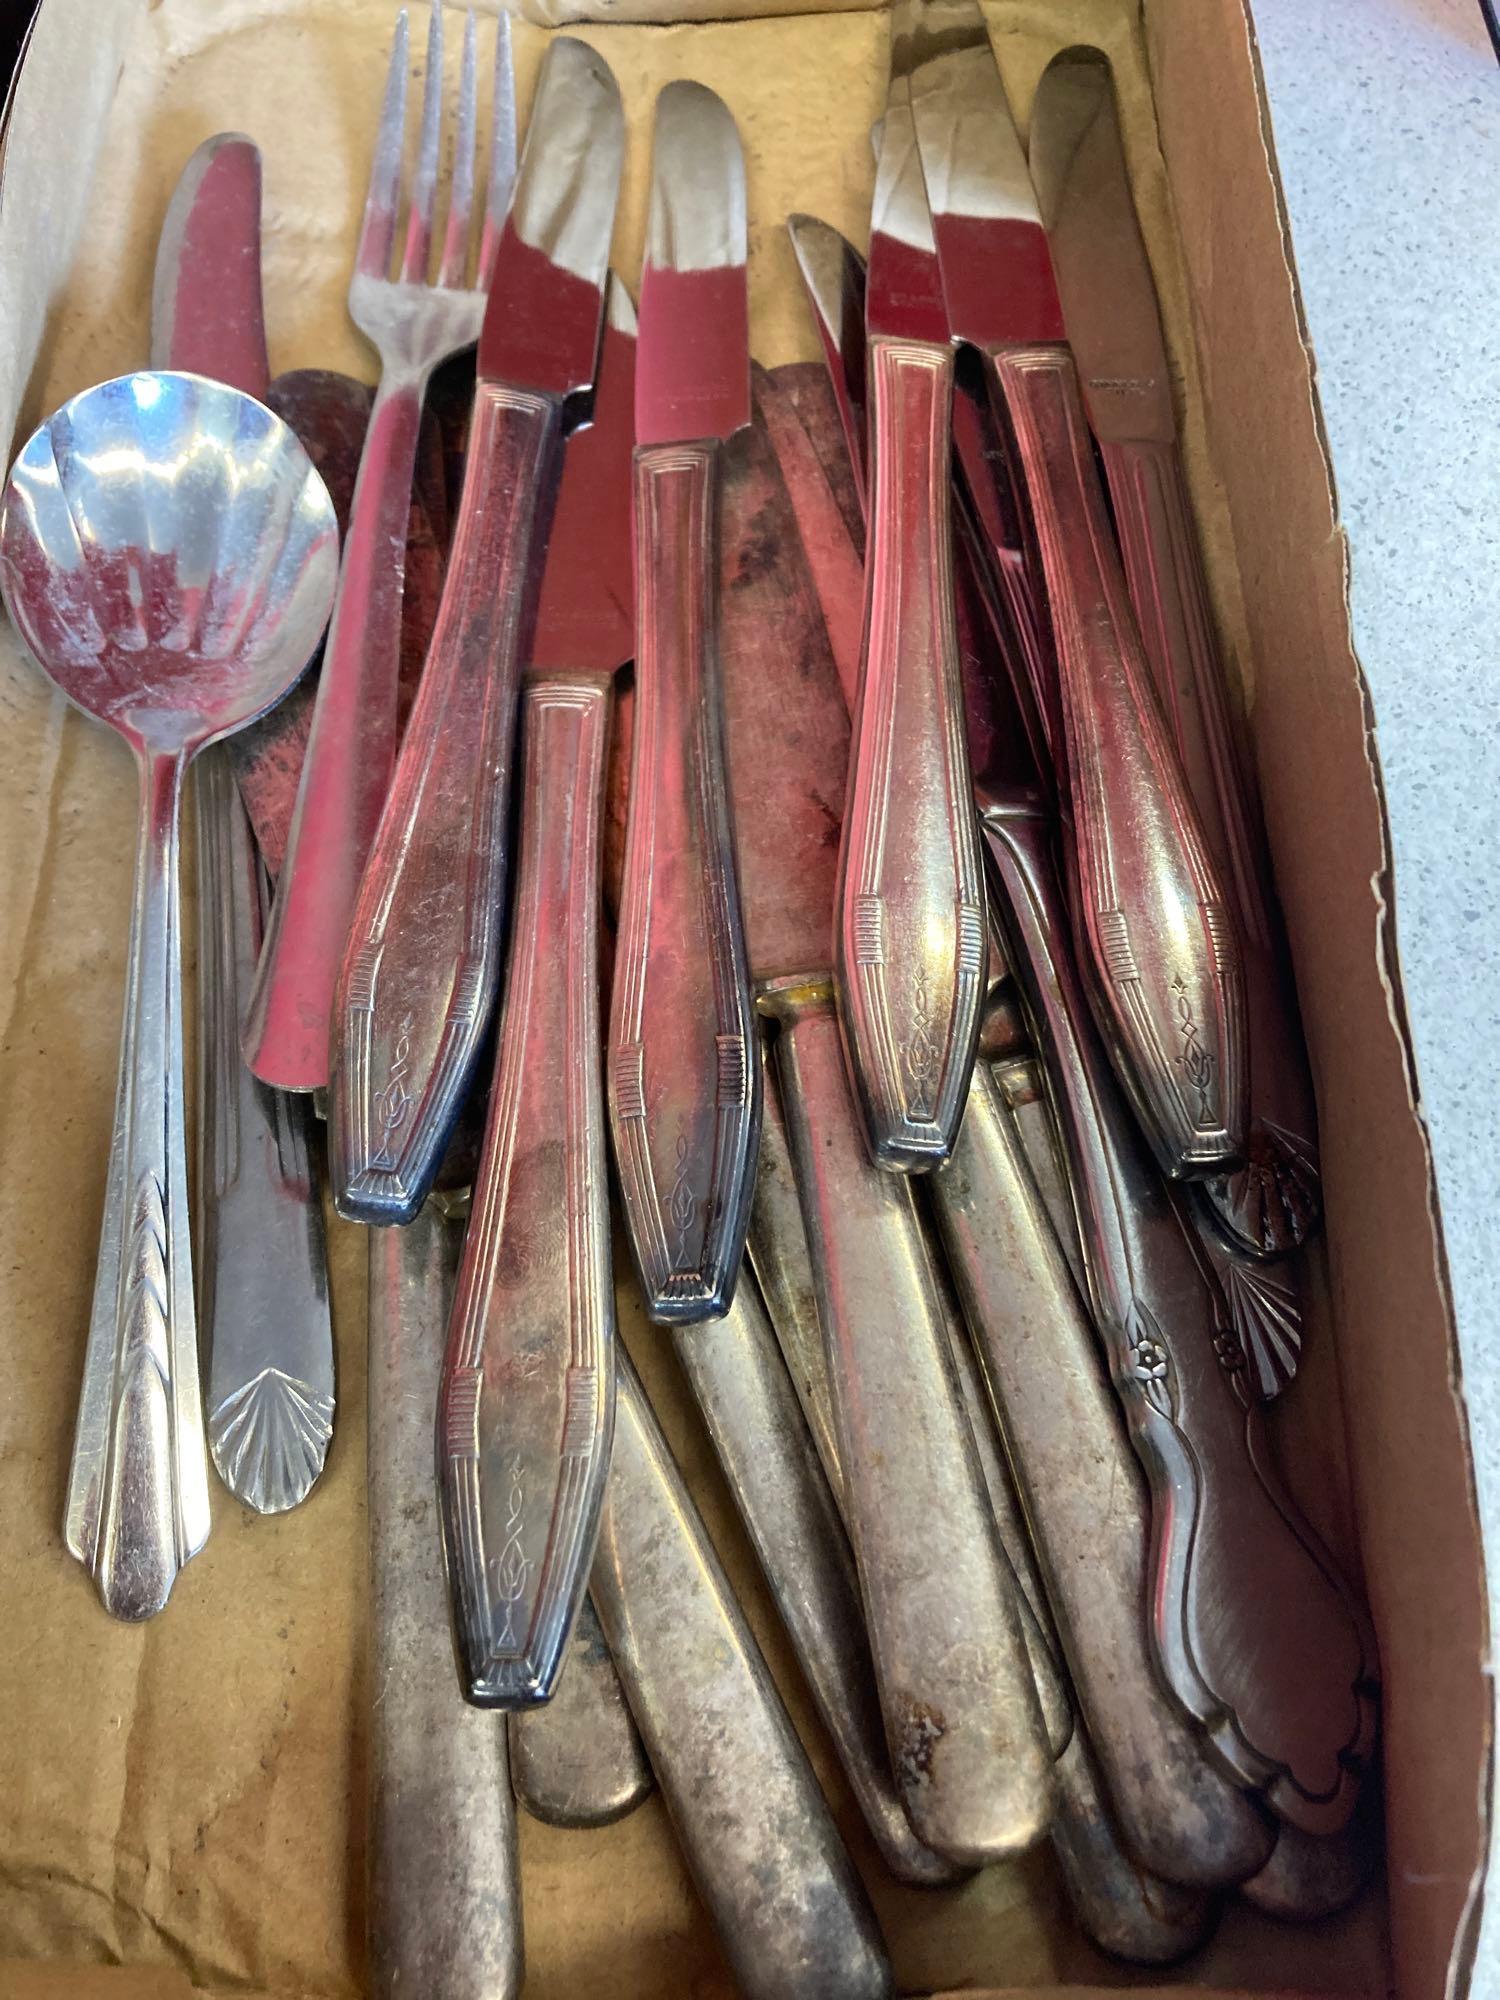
(586, 614)
(997, 279)
(541, 325)
(692, 370)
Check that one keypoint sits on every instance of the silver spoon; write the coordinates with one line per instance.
(168, 554)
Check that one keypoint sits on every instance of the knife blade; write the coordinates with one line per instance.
(684, 1088)
(527, 1402)
(263, 1311)
(1159, 933)
(1114, 328)
(1084, 1495)
(910, 926)
(421, 970)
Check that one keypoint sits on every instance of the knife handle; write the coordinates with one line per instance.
(263, 1314)
(741, 1386)
(910, 924)
(791, 1912)
(1271, 1204)
(137, 1506)
(1086, 1502)
(445, 1891)
(684, 1084)
(965, 1730)
(526, 1408)
(422, 959)
(577, 1761)
(1252, 1628)
(346, 772)
(1162, 939)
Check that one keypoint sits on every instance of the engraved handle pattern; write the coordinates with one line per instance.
(262, 1267)
(910, 923)
(527, 1403)
(1085, 1499)
(1254, 1631)
(422, 962)
(684, 1085)
(350, 754)
(137, 1505)
(1273, 1202)
(966, 1734)
(1162, 939)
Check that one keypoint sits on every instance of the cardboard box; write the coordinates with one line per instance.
(185, 1800)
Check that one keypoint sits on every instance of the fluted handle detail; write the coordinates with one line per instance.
(422, 962)
(1162, 938)
(684, 1082)
(910, 923)
(527, 1403)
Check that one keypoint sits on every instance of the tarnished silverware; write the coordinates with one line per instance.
(264, 1328)
(1114, 328)
(1253, 1630)
(1120, 1906)
(577, 1760)
(168, 555)
(684, 1089)
(910, 931)
(527, 1398)
(741, 1385)
(413, 324)
(790, 1910)
(422, 966)
(965, 1730)
(1152, 911)
(1313, 1875)
(445, 1892)
(1086, 1502)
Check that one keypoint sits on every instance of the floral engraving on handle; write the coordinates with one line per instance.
(1150, 1366)
(682, 1204)
(394, 1102)
(510, 1569)
(1195, 1061)
(922, 1051)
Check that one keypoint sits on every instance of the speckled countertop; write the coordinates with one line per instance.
(1386, 119)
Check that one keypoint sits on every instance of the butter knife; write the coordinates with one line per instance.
(1158, 930)
(421, 971)
(684, 1090)
(263, 1313)
(527, 1401)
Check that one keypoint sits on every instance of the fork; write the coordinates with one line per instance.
(414, 323)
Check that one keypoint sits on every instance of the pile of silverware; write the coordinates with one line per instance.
(944, 978)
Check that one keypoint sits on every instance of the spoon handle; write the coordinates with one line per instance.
(138, 1491)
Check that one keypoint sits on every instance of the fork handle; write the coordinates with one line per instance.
(684, 1082)
(1162, 938)
(527, 1402)
(350, 755)
(910, 922)
(422, 960)
(137, 1504)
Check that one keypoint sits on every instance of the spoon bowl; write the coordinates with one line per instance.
(169, 556)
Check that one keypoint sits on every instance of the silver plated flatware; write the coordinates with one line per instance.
(168, 555)
(421, 970)
(684, 1086)
(264, 1328)
(577, 1760)
(414, 321)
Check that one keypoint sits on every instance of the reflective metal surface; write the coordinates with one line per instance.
(444, 1888)
(421, 970)
(265, 1335)
(1114, 327)
(790, 1514)
(413, 324)
(577, 1760)
(684, 1086)
(909, 959)
(791, 1913)
(168, 555)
